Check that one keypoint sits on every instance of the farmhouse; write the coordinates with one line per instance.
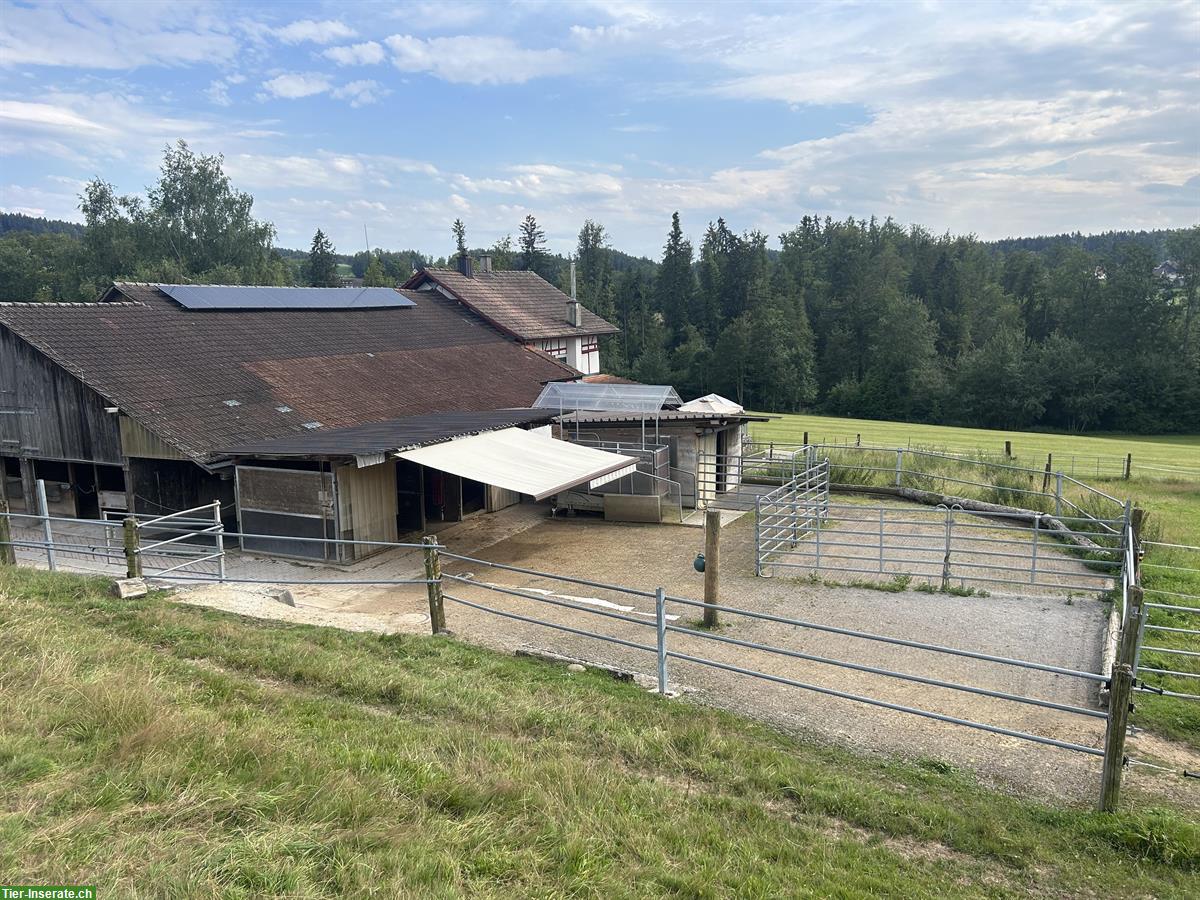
(309, 412)
(525, 306)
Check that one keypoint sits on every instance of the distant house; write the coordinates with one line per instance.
(1168, 270)
(524, 306)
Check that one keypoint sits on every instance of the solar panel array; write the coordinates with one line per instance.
(213, 296)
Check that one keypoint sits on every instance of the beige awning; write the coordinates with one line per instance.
(522, 461)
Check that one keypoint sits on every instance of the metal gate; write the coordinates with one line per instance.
(191, 540)
(736, 480)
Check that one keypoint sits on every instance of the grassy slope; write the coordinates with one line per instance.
(1173, 502)
(160, 750)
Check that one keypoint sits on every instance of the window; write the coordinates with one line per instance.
(556, 347)
(590, 345)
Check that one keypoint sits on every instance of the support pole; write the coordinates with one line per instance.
(1058, 478)
(433, 576)
(133, 560)
(899, 465)
(660, 620)
(8, 553)
(47, 530)
(1008, 449)
(1120, 693)
(712, 560)
(1128, 465)
(1046, 476)
(220, 537)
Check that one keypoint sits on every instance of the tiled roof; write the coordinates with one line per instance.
(603, 378)
(207, 380)
(522, 304)
(397, 434)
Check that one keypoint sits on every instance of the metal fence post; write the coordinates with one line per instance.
(8, 553)
(817, 540)
(946, 558)
(1037, 526)
(220, 535)
(433, 579)
(757, 539)
(881, 540)
(660, 619)
(47, 530)
(133, 560)
(899, 465)
(1058, 479)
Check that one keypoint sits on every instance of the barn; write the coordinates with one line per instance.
(311, 412)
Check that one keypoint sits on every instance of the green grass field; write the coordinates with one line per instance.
(1167, 484)
(159, 750)
(1171, 454)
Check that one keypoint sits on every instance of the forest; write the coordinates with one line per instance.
(857, 317)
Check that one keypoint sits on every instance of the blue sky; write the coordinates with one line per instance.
(996, 119)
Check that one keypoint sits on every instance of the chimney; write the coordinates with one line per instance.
(464, 265)
(485, 265)
(574, 316)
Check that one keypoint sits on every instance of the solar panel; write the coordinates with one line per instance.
(581, 395)
(213, 296)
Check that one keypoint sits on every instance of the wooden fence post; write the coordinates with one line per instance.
(1008, 449)
(1120, 705)
(8, 553)
(1128, 465)
(806, 439)
(433, 576)
(133, 559)
(712, 562)
(1046, 476)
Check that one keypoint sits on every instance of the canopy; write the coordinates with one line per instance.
(577, 395)
(522, 461)
(713, 403)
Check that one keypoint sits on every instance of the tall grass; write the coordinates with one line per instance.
(159, 750)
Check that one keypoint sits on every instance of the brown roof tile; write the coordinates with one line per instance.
(173, 369)
(522, 304)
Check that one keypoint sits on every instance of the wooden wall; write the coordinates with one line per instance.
(367, 504)
(52, 414)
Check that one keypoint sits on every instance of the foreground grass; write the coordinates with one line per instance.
(163, 750)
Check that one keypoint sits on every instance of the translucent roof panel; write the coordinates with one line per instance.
(578, 395)
(213, 296)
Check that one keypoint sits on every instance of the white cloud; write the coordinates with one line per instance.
(361, 93)
(293, 85)
(365, 54)
(640, 128)
(218, 90)
(471, 59)
(113, 35)
(308, 30)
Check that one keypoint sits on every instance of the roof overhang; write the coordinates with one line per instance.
(523, 461)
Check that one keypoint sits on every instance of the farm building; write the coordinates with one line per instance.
(524, 306)
(703, 439)
(309, 412)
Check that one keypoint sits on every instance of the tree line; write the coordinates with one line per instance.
(870, 319)
(857, 317)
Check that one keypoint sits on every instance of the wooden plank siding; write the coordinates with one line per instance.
(48, 413)
(367, 505)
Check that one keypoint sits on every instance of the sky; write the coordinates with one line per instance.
(997, 119)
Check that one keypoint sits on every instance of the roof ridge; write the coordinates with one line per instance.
(71, 303)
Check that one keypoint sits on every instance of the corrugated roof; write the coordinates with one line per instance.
(173, 370)
(396, 434)
(522, 304)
